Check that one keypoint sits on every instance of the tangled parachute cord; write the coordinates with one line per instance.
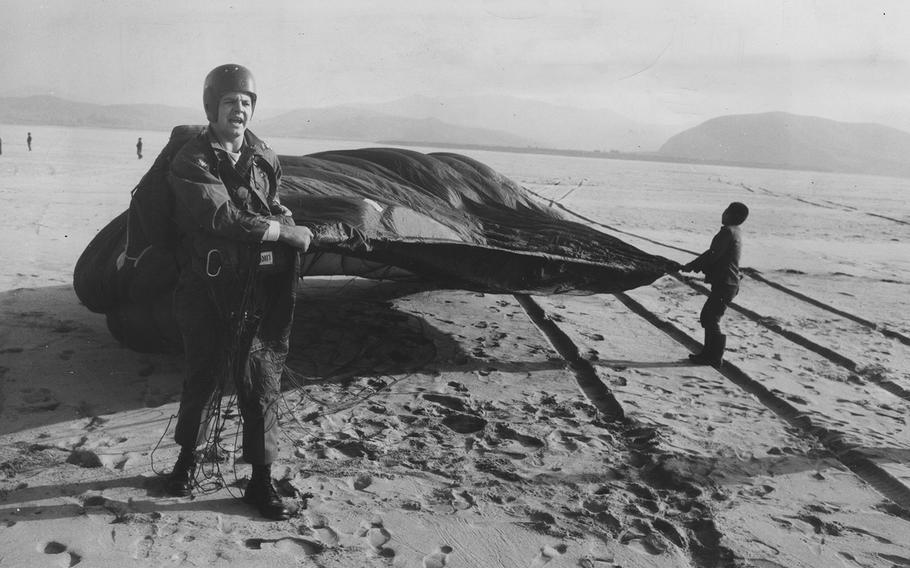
(241, 322)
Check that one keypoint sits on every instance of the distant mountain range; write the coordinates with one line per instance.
(774, 140)
(545, 125)
(782, 140)
(485, 121)
(50, 110)
(356, 123)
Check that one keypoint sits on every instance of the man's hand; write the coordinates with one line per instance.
(298, 237)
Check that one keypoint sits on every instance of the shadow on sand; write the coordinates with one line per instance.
(621, 364)
(690, 470)
(86, 503)
(57, 356)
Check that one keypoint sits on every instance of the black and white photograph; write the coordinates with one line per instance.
(478, 284)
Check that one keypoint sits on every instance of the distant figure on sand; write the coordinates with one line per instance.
(28, 141)
(235, 293)
(139, 148)
(720, 263)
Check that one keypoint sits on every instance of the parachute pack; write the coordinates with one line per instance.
(151, 234)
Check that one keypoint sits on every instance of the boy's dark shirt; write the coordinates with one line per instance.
(720, 262)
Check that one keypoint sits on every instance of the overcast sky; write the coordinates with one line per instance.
(656, 61)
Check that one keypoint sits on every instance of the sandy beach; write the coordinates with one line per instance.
(429, 428)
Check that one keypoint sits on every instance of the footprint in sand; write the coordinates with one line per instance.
(362, 481)
(320, 525)
(451, 402)
(561, 439)
(649, 545)
(462, 501)
(548, 553)
(506, 432)
(464, 423)
(376, 536)
(65, 556)
(437, 559)
(290, 545)
(327, 536)
(143, 547)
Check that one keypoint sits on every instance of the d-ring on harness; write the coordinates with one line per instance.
(213, 258)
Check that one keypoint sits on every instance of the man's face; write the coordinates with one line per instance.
(235, 110)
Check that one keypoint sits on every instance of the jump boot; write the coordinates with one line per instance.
(180, 482)
(262, 494)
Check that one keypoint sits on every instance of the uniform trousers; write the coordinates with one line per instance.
(236, 333)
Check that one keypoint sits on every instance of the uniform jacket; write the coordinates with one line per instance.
(222, 207)
(720, 262)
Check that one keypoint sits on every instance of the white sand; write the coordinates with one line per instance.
(442, 428)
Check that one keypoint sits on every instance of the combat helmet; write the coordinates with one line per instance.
(226, 79)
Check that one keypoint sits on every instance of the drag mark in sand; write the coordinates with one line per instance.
(590, 384)
(848, 454)
(802, 341)
(665, 493)
(756, 275)
(830, 204)
(901, 221)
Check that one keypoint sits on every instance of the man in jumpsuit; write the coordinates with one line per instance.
(235, 294)
(720, 263)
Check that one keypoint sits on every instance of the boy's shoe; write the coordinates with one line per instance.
(713, 352)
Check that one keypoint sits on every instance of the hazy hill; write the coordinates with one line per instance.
(355, 123)
(50, 110)
(341, 122)
(778, 139)
(551, 126)
(481, 120)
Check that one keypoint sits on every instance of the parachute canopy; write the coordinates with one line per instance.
(441, 218)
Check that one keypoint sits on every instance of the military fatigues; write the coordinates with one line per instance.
(235, 294)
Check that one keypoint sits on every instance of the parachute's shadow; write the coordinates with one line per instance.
(345, 329)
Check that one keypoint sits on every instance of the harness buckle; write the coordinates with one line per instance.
(213, 263)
